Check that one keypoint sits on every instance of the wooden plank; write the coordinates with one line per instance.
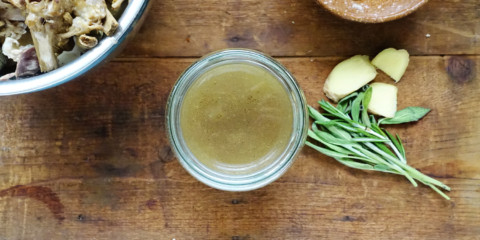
(90, 160)
(301, 28)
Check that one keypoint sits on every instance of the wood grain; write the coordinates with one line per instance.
(97, 147)
(176, 28)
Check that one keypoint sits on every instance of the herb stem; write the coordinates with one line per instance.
(390, 144)
(395, 163)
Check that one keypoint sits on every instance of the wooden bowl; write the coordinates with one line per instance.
(372, 11)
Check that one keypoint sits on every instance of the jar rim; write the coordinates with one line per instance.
(217, 179)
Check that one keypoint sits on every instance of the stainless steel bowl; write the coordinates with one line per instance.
(127, 25)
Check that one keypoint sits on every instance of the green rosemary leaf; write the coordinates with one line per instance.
(342, 106)
(315, 114)
(332, 139)
(439, 192)
(364, 131)
(345, 104)
(395, 142)
(348, 98)
(326, 151)
(311, 134)
(356, 105)
(369, 140)
(315, 128)
(327, 144)
(348, 109)
(401, 149)
(366, 119)
(333, 111)
(366, 100)
(348, 127)
(385, 149)
(338, 132)
(327, 123)
(354, 164)
(384, 168)
(372, 120)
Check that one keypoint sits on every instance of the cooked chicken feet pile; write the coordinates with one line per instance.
(41, 35)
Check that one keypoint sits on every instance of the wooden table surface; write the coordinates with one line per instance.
(90, 159)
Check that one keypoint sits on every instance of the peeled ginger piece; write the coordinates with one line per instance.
(384, 100)
(349, 76)
(392, 62)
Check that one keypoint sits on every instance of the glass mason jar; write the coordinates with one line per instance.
(257, 177)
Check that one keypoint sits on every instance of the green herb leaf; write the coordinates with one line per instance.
(327, 123)
(315, 114)
(311, 134)
(333, 111)
(385, 149)
(347, 98)
(369, 140)
(409, 114)
(367, 97)
(355, 113)
(401, 149)
(326, 151)
(378, 130)
(357, 165)
(372, 120)
(366, 100)
(332, 139)
(397, 144)
(344, 105)
(338, 132)
(439, 192)
(384, 168)
(366, 119)
(327, 144)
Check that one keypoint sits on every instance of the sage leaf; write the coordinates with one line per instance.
(409, 114)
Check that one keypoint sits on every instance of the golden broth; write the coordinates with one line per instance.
(236, 117)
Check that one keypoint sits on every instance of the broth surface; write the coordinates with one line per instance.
(236, 117)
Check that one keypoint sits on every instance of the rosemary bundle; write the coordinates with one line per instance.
(350, 135)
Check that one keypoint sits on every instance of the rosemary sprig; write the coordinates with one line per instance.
(350, 135)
